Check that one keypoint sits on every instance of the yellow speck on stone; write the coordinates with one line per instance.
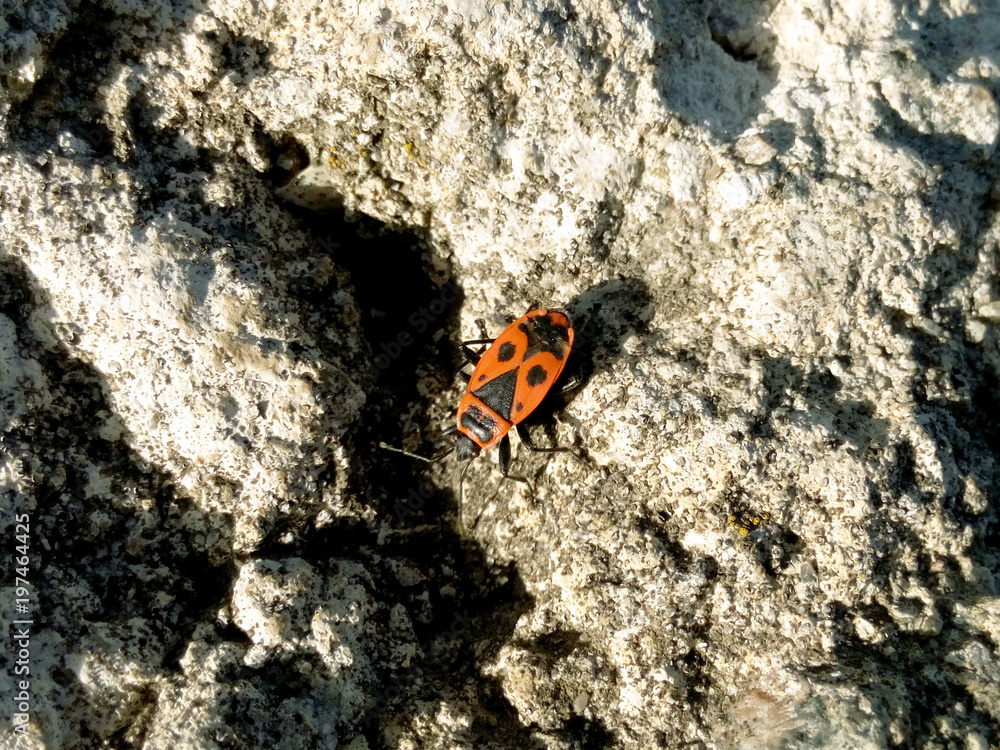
(744, 530)
(409, 147)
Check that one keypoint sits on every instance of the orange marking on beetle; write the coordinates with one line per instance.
(512, 377)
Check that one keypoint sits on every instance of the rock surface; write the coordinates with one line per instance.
(239, 244)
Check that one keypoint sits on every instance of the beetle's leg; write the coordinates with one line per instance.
(571, 383)
(482, 342)
(525, 436)
(505, 455)
(461, 487)
(473, 356)
(505, 462)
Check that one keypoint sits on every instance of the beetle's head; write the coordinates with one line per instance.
(465, 448)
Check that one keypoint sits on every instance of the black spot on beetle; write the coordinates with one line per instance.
(478, 423)
(545, 335)
(482, 377)
(519, 406)
(537, 375)
(506, 352)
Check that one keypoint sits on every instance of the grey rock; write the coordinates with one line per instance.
(240, 243)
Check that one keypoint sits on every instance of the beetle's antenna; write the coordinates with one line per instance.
(387, 447)
(425, 459)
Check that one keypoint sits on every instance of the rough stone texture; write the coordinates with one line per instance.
(240, 242)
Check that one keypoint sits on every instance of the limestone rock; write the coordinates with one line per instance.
(239, 244)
